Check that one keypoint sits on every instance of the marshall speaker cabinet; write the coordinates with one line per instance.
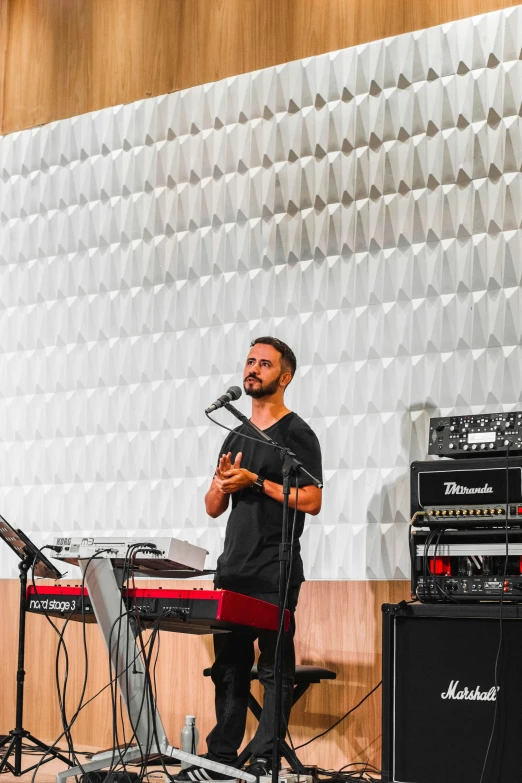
(439, 693)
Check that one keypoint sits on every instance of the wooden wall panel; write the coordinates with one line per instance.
(338, 626)
(67, 57)
(4, 27)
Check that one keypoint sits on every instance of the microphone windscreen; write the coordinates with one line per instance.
(235, 392)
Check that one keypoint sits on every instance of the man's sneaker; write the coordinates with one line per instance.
(259, 767)
(197, 774)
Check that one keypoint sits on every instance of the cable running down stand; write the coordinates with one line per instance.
(290, 465)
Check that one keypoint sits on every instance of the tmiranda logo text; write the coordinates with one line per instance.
(469, 695)
(452, 488)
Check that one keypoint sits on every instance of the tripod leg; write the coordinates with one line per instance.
(5, 763)
(292, 759)
(53, 753)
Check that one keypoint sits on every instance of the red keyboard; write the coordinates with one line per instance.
(186, 611)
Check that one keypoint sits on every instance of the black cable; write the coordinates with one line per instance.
(116, 749)
(153, 691)
(61, 643)
(289, 576)
(275, 446)
(427, 544)
(67, 728)
(128, 567)
(366, 764)
(337, 722)
(85, 654)
(150, 683)
(147, 698)
(501, 618)
(348, 777)
(150, 697)
(54, 746)
(367, 773)
(280, 634)
(61, 692)
(439, 588)
(413, 556)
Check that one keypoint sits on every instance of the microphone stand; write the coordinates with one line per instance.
(290, 465)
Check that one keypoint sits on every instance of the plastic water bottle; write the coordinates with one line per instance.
(189, 738)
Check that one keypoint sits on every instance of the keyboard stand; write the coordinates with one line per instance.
(104, 583)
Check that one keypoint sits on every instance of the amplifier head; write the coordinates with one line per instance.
(467, 492)
(481, 435)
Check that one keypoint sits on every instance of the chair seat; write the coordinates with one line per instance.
(303, 674)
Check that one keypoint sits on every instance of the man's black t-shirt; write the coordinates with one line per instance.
(250, 560)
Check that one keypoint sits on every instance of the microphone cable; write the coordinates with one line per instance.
(280, 638)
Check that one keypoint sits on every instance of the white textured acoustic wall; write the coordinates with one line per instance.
(365, 206)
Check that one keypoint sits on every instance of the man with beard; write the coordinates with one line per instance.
(249, 473)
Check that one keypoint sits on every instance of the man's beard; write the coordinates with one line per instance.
(261, 391)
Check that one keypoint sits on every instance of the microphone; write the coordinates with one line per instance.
(234, 393)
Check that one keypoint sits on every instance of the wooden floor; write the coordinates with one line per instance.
(47, 773)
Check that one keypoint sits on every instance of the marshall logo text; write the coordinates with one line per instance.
(469, 695)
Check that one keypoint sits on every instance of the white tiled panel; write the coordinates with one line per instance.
(364, 206)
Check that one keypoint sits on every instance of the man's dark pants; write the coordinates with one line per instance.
(234, 658)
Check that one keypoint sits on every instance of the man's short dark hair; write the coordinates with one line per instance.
(288, 360)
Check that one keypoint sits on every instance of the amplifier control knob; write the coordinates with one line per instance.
(482, 446)
(452, 445)
(474, 447)
(506, 443)
(491, 446)
(465, 447)
(452, 428)
(509, 424)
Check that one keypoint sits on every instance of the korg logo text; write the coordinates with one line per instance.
(469, 695)
(452, 488)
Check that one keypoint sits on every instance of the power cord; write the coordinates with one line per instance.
(501, 618)
(68, 724)
(340, 720)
